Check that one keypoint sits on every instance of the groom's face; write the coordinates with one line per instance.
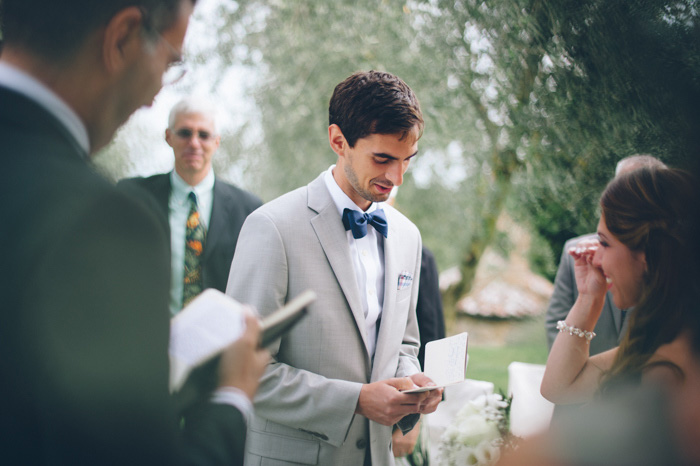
(377, 163)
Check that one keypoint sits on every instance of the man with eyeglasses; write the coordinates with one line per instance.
(85, 282)
(191, 187)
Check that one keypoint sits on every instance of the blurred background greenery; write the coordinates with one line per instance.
(528, 106)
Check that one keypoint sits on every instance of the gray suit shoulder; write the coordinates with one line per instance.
(396, 218)
(286, 206)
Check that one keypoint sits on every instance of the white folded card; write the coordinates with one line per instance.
(445, 362)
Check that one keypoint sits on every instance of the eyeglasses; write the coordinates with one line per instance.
(177, 68)
(186, 134)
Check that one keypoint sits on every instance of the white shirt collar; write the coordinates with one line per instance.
(27, 85)
(180, 189)
(342, 201)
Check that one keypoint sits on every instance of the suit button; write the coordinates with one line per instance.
(362, 443)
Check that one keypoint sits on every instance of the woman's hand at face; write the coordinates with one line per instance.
(589, 278)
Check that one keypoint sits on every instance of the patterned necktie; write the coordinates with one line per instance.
(358, 221)
(194, 246)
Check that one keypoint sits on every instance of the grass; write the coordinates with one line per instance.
(494, 344)
(491, 363)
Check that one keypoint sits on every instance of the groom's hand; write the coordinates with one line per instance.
(383, 402)
(434, 397)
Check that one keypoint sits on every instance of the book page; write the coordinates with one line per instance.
(212, 321)
(206, 326)
(445, 361)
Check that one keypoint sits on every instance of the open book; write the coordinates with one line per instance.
(445, 361)
(211, 322)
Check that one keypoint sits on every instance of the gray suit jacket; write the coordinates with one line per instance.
(304, 409)
(609, 329)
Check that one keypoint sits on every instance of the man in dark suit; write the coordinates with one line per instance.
(222, 207)
(84, 371)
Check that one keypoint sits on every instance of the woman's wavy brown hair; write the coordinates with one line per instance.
(654, 210)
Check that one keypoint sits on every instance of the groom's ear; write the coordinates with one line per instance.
(337, 140)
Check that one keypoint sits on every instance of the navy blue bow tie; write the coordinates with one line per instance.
(357, 222)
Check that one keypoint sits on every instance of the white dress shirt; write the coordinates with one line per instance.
(367, 259)
(178, 211)
(25, 84)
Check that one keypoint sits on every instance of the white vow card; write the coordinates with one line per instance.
(445, 361)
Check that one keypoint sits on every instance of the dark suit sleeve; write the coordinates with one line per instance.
(141, 190)
(99, 331)
(214, 435)
(563, 296)
(431, 320)
(99, 326)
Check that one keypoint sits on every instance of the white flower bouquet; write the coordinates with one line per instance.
(478, 433)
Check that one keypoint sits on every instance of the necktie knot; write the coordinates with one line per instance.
(358, 221)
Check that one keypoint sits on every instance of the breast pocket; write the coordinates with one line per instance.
(402, 296)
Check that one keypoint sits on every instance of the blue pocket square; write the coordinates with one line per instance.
(405, 280)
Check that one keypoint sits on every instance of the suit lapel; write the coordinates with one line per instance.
(386, 329)
(219, 217)
(331, 235)
(159, 187)
(162, 191)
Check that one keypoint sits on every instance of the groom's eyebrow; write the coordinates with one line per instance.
(391, 157)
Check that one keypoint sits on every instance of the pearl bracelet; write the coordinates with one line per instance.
(562, 327)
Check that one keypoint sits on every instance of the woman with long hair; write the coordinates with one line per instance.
(645, 255)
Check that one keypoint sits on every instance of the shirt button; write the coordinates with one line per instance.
(371, 292)
(364, 252)
(362, 443)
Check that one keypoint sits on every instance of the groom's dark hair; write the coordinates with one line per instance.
(55, 29)
(374, 102)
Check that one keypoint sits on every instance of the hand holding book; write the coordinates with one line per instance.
(213, 321)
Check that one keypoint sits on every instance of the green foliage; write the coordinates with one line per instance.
(532, 100)
(528, 104)
(631, 87)
(541, 257)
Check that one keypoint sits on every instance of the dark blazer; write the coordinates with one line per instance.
(85, 320)
(231, 206)
(431, 319)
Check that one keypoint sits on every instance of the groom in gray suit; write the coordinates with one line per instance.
(333, 390)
